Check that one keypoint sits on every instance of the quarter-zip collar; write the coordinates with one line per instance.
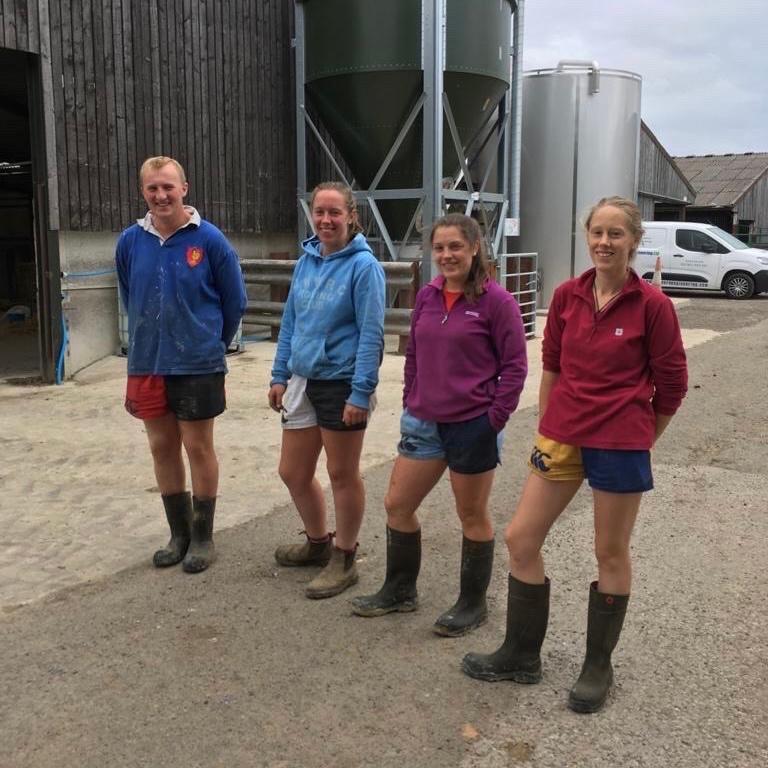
(584, 291)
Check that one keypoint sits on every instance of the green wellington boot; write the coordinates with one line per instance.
(178, 510)
(200, 553)
(470, 610)
(398, 592)
(604, 622)
(518, 658)
(310, 552)
(338, 575)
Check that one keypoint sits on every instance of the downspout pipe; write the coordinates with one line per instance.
(516, 91)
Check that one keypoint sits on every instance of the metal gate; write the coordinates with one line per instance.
(518, 273)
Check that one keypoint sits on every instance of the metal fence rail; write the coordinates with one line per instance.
(518, 273)
(402, 284)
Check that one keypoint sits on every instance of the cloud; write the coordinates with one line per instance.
(704, 65)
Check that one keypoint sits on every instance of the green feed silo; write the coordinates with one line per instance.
(364, 74)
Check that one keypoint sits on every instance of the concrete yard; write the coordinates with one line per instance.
(109, 662)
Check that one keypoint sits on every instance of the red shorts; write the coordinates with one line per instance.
(145, 397)
(191, 397)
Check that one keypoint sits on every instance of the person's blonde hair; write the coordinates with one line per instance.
(349, 200)
(628, 208)
(156, 163)
(479, 270)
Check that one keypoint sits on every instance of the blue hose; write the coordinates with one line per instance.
(90, 274)
(62, 350)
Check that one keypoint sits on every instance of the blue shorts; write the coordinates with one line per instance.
(614, 471)
(468, 447)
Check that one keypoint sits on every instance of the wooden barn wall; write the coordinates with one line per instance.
(20, 25)
(647, 207)
(754, 205)
(657, 175)
(205, 81)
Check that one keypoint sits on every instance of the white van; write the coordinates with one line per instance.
(703, 258)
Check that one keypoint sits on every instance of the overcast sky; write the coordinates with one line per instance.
(704, 63)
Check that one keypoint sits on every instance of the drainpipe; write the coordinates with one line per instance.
(516, 92)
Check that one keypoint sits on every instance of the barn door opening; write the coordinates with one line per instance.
(28, 334)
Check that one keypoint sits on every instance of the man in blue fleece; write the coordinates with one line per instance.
(181, 284)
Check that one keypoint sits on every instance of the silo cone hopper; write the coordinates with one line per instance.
(364, 81)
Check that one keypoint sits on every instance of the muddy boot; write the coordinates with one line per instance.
(339, 574)
(470, 610)
(178, 509)
(399, 590)
(518, 658)
(311, 552)
(604, 622)
(200, 552)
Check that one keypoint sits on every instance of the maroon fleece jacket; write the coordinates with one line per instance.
(617, 368)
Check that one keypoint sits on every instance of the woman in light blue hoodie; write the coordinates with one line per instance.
(324, 379)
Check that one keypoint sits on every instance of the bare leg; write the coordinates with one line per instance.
(541, 504)
(197, 438)
(410, 482)
(343, 451)
(165, 444)
(298, 462)
(615, 515)
(472, 493)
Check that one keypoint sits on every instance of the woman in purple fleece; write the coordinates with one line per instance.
(464, 370)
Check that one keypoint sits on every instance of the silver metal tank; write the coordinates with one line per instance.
(580, 142)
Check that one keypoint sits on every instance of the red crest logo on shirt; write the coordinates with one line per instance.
(194, 255)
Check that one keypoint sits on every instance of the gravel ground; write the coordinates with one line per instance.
(236, 668)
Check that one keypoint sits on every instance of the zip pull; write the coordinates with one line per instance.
(445, 318)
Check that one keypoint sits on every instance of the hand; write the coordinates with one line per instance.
(275, 396)
(354, 415)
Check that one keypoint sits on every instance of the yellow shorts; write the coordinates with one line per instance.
(556, 461)
(606, 469)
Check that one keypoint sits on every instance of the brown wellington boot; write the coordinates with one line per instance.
(339, 574)
(310, 552)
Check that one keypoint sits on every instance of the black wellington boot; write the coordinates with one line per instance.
(399, 590)
(200, 553)
(518, 657)
(604, 623)
(178, 509)
(470, 610)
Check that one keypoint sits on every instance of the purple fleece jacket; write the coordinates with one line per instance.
(466, 362)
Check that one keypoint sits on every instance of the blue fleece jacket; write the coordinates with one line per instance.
(184, 297)
(333, 322)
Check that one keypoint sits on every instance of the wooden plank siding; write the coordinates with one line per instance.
(658, 174)
(753, 204)
(20, 25)
(206, 81)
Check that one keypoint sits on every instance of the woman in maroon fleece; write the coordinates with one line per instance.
(614, 375)
(464, 370)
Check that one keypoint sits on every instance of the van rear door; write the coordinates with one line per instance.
(695, 260)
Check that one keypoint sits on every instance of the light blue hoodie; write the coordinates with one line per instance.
(333, 322)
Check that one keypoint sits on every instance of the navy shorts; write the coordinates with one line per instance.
(329, 398)
(468, 447)
(615, 471)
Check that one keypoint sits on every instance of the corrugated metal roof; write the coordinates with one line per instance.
(720, 180)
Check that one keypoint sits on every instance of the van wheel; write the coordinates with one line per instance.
(739, 285)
